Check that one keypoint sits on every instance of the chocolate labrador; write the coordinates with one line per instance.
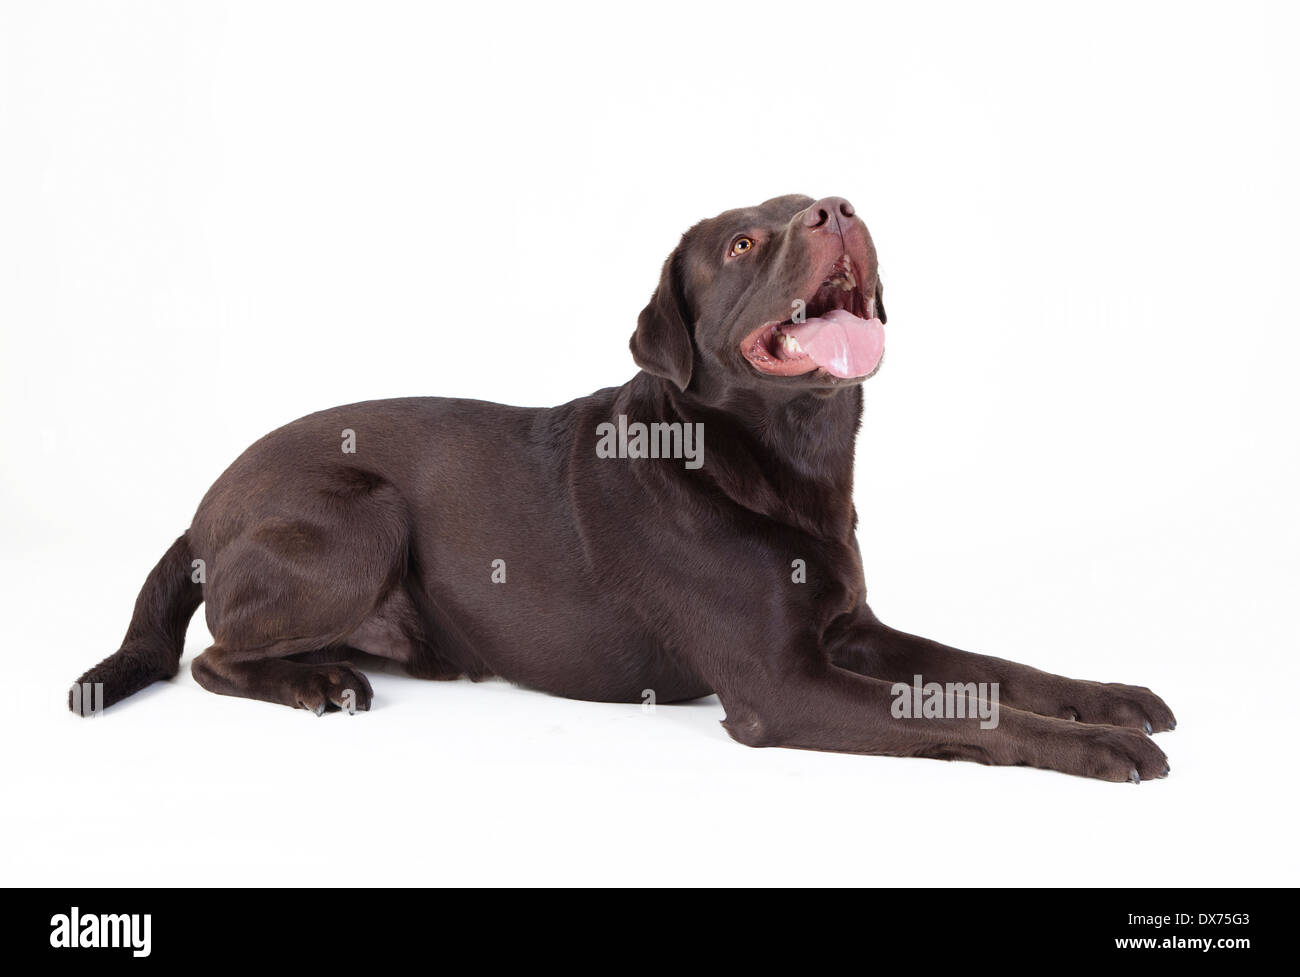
(687, 533)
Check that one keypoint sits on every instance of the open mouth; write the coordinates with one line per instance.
(835, 334)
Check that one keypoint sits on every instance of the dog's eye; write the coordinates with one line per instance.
(741, 245)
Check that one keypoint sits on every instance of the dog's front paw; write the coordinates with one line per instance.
(1113, 704)
(1110, 753)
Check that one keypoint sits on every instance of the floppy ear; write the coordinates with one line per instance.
(662, 342)
(879, 303)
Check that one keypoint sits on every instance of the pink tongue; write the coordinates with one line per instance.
(841, 343)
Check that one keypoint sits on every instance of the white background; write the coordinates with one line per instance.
(1081, 452)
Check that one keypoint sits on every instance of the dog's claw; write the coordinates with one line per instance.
(1134, 777)
(1165, 771)
(1147, 727)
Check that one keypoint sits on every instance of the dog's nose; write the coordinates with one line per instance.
(827, 213)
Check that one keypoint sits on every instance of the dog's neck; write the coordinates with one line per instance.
(789, 458)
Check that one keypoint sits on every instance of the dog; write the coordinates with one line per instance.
(562, 550)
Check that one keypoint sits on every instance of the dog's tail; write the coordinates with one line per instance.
(153, 644)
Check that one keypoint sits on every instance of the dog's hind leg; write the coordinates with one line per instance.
(315, 687)
(302, 581)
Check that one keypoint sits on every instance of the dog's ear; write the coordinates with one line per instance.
(662, 342)
(879, 303)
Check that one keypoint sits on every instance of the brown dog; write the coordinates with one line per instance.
(689, 532)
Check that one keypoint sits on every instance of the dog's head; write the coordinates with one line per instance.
(784, 295)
